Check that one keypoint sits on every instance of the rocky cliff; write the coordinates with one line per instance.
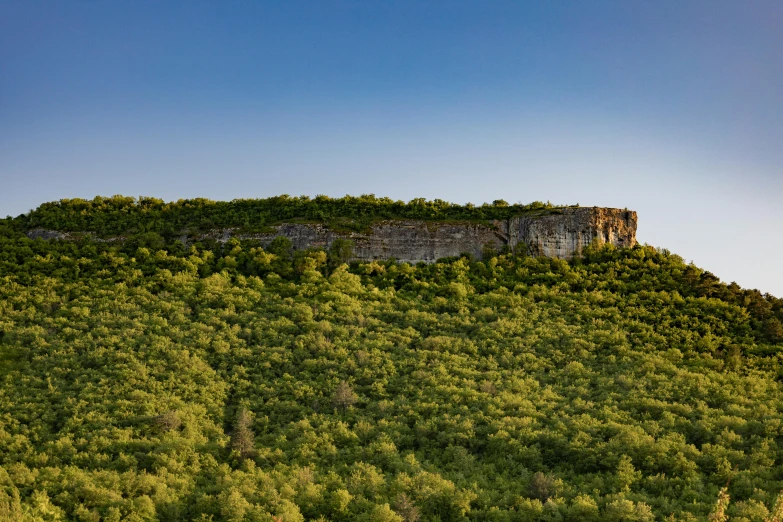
(563, 235)
(560, 234)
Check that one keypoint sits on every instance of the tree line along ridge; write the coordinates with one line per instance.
(121, 215)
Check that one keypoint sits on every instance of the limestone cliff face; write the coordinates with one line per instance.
(561, 233)
(407, 241)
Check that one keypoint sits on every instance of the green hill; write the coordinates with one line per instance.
(149, 381)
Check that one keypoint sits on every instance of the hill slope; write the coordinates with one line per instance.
(237, 383)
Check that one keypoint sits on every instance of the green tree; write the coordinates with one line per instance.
(340, 251)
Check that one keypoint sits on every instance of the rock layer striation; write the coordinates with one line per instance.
(561, 234)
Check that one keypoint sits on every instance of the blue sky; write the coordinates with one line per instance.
(670, 108)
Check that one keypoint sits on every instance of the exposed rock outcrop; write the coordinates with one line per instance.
(561, 233)
(44, 233)
(407, 241)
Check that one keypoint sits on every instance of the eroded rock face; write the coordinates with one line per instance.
(562, 234)
(407, 241)
(414, 241)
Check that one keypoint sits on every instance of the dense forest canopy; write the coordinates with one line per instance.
(235, 383)
(127, 216)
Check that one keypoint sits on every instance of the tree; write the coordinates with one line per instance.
(544, 487)
(10, 506)
(583, 509)
(344, 396)
(776, 515)
(340, 251)
(718, 513)
(282, 247)
(405, 507)
(773, 330)
(242, 438)
(311, 259)
(624, 510)
(150, 240)
(383, 513)
(168, 421)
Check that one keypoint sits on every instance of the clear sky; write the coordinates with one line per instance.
(670, 108)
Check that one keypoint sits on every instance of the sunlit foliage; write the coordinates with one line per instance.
(129, 216)
(230, 382)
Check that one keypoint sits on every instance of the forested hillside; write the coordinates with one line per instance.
(150, 381)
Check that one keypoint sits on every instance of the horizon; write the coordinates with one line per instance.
(668, 109)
